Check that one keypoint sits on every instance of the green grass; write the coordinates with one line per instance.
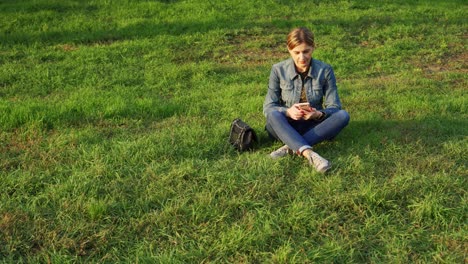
(114, 118)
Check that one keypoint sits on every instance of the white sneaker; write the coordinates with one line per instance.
(281, 152)
(320, 164)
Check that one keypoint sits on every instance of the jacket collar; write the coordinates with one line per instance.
(292, 73)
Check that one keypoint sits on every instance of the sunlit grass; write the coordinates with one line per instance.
(114, 119)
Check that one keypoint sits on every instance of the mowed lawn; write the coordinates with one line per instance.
(114, 118)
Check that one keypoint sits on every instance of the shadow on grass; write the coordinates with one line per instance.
(431, 131)
(150, 27)
(51, 116)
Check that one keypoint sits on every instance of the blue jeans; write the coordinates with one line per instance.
(303, 134)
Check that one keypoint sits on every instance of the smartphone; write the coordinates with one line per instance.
(305, 106)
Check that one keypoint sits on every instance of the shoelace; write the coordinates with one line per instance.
(283, 149)
(316, 160)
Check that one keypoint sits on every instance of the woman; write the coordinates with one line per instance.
(302, 106)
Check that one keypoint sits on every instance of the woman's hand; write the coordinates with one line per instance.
(313, 114)
(298, 112)
(295, 112)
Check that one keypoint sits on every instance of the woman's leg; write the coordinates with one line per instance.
(328, 128)
(279, 127)
(288, 131)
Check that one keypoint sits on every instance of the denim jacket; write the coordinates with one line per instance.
(285, 86)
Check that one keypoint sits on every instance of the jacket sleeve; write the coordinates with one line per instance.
(331, 99)
(273, 100)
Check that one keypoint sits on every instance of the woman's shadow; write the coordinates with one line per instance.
(377, 135)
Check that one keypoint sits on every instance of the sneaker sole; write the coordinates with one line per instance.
(324, 169)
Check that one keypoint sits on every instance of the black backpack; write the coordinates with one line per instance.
(242, 136)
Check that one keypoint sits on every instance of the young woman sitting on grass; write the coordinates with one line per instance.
(302, 106)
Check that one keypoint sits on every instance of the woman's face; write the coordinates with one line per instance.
(302, 54)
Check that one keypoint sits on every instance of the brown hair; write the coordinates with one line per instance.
(299, 36)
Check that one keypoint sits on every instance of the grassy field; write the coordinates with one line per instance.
(114, 117)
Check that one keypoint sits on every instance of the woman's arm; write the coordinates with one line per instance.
(331, 99)
(273, 100)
